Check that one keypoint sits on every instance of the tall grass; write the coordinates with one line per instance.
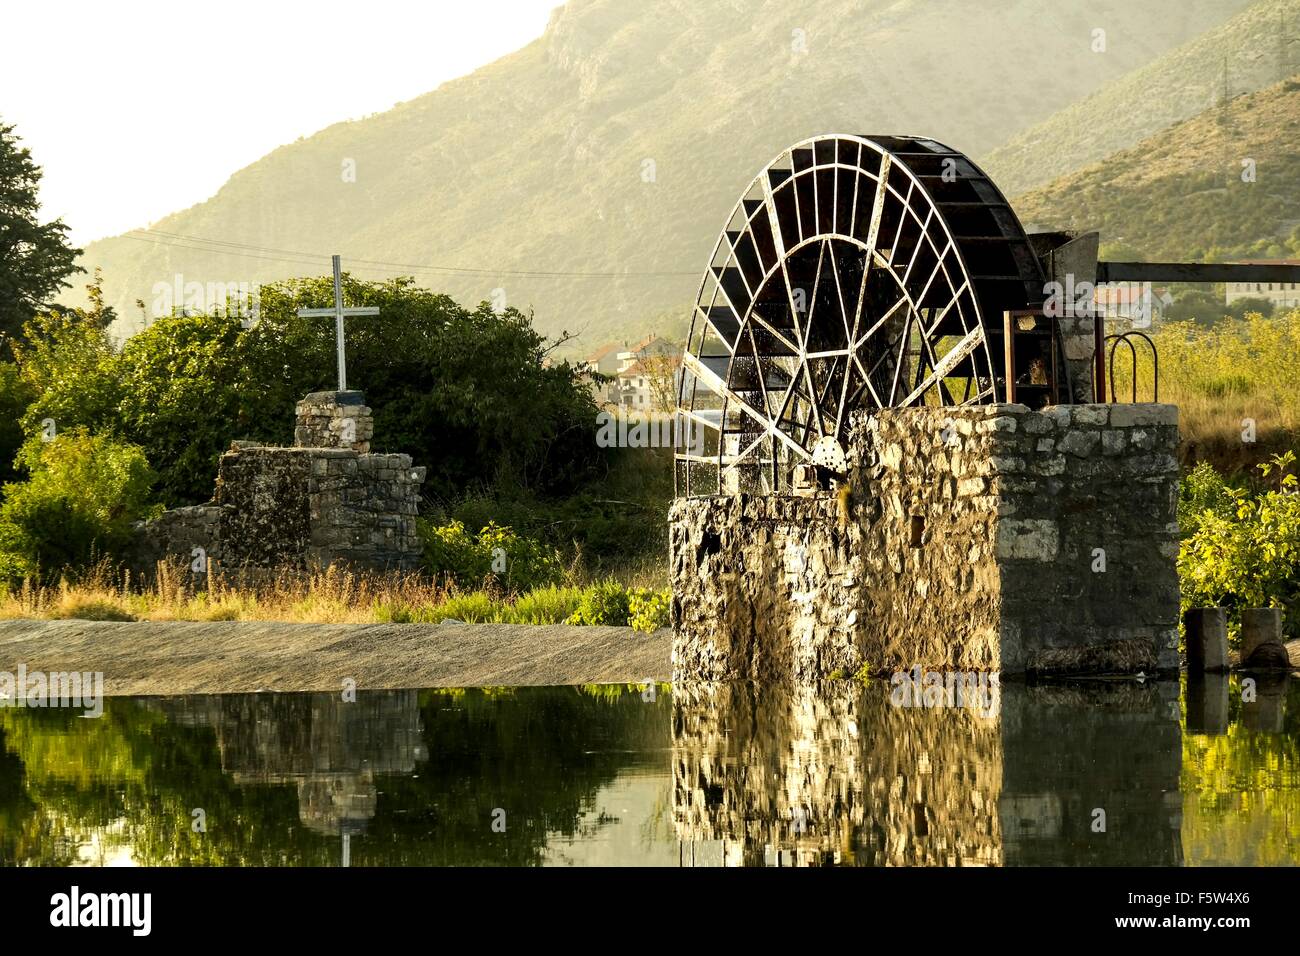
(331, 596)
(1224, 377)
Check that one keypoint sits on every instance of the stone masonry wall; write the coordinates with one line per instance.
(265, 520)
(303, 507)
(362, 509)
(173, 536)
(334, 420)
(1088, 553)
(987, 538)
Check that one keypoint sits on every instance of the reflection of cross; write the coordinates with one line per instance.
(339, 312)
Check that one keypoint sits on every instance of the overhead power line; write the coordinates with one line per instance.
(299, 257)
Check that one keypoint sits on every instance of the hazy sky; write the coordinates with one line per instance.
(137, 109)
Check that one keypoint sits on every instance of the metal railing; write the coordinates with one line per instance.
(1109, 345)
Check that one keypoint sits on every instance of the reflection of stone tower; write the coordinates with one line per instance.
(841, 775)
(834, 776)
(1070, 752)
(330, 749)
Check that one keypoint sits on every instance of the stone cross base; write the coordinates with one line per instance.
(326, 501)
(334, 420)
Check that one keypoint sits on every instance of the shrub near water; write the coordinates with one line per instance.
(1242, 550)
(648, 610)
(604, 603)
(83, 493)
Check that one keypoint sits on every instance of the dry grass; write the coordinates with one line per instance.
(331, 596)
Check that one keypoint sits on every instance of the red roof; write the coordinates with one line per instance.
(601, 352)
(638, 367)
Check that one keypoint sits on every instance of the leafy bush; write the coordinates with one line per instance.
(617, 524)
(82, 496)
(1246, 554)
(496, 555)
(549, 605)
(473, 608)
(604, 603)
(1203, 489)
(648, 610)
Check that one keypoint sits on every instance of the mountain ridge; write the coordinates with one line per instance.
(618, 141)
(1214, 182)
(1151, 98)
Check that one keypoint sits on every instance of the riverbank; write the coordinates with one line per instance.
(220, 657)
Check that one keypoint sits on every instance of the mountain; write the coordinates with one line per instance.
(618, 141)
(1178, 194)
(1257, 47)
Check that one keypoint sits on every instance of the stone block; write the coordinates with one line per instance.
(1261, 638)
(1091, 414)
(1126, 416)
(1080, 443)
(1206, 630)
(1027, 539)
(1036, 423)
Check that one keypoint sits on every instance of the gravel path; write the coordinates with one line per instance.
(186, 657)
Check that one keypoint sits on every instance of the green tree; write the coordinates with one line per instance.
(1196, 305)
(469, 393)
(1240, 308)
(67, 368)
(1244, 549)
(15, 396)
(472, 394)
(35, 259)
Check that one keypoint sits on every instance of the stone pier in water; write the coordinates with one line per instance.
(983, 538)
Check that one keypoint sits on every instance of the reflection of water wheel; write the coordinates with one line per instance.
(854, 272)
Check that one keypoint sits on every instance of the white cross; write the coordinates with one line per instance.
(339, 312)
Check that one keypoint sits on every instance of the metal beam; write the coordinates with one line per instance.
(1196, 272)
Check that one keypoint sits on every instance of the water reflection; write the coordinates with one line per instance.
(330, 749)
(1104, 773)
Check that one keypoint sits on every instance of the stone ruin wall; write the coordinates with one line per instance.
(964, 540)
(303, 507)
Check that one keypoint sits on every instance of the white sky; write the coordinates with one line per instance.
(138, 108)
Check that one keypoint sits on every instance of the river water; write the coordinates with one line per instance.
(1098, 773)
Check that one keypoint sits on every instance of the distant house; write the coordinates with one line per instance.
(1283, 295)
(1138, 302)
(644, 375)
(604, 360)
